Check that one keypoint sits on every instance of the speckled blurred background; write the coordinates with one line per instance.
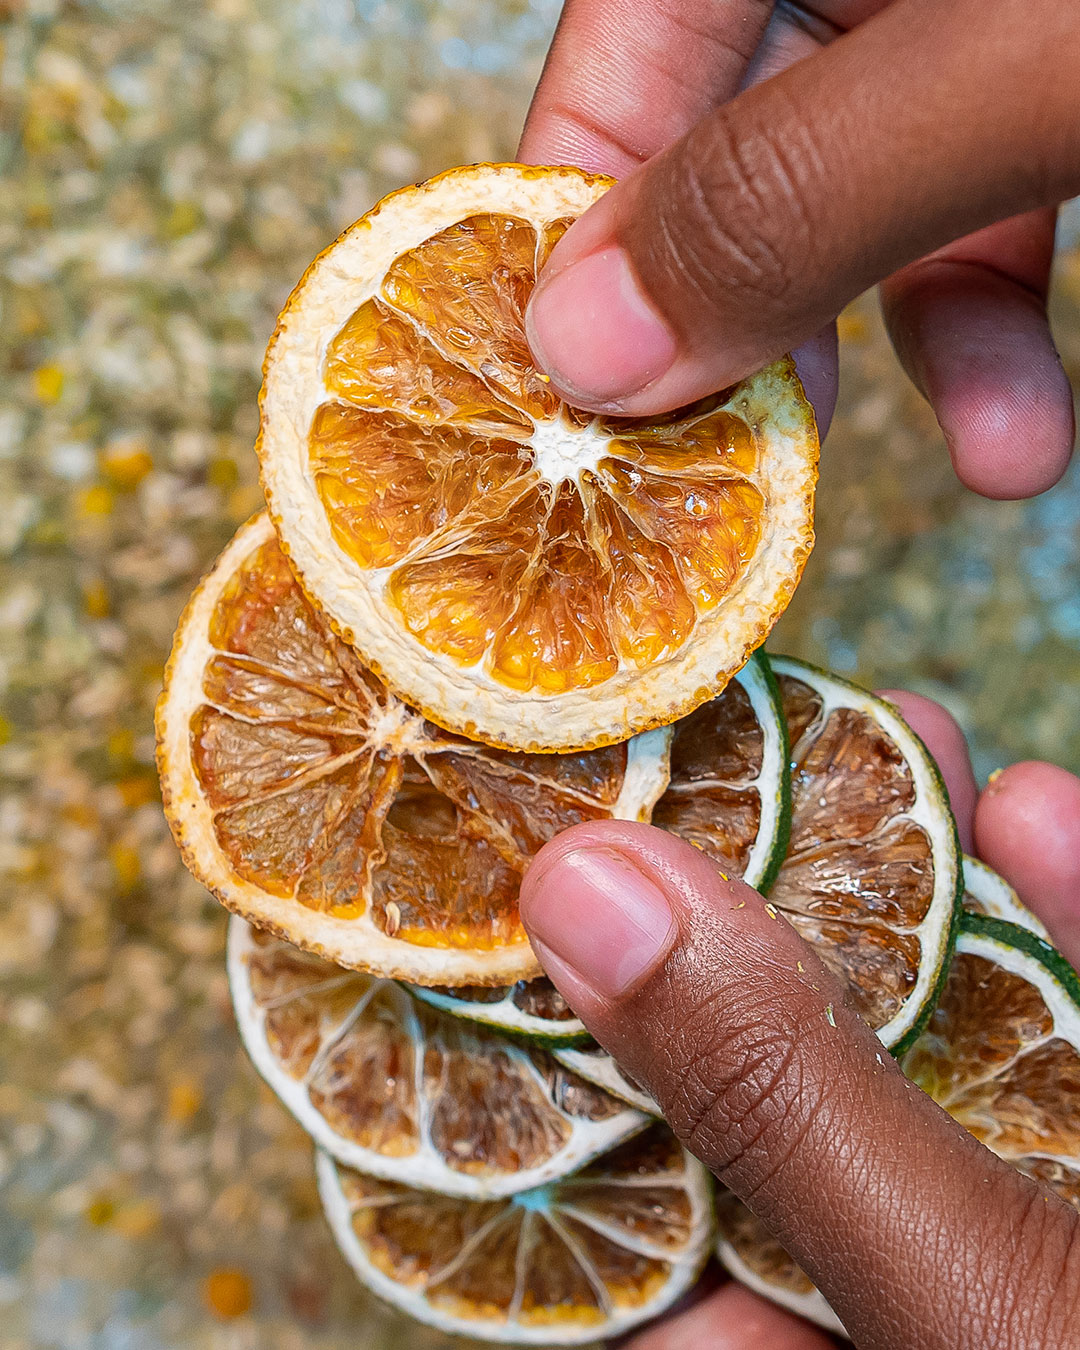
(166, 172)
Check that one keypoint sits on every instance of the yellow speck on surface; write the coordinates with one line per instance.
(829, 1015)
(227, 1293)
(99, 1211)
(97, 500)
(800, 967)
(136, 790)
(185, 1098)
(136, 1220)
(96, 600)
(48, 384)
(126, 464)
(741, 904)
(993, 777)
(126, 865)
(771, 911)
(723, 876)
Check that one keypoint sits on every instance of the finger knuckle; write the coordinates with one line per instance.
(739, 1087)
(737, 219)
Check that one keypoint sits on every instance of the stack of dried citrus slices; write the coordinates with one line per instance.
(472, 617)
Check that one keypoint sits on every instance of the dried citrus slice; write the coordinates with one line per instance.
(872, 873)
(524, 573)
(987, 893)
(533, 1009)
(596, 1066)
(1000, 1053)
(750, 1253)
(400, 1090)
(730, 789)
(313, 802)
(586, 1257)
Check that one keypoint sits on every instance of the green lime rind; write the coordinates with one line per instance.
(506, 1017)
(782, 832)
(933, 812)
(1031, 944)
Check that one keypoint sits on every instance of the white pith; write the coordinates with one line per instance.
(425, 1168)
(930, 810)
(563, 451)
(685, 1266)
(356, 941)
(468, 698)
(505, 1015)
(997, 898)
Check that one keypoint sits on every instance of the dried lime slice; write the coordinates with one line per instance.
(730, 789)
(584, 1258)
(532, 1009)
(987, 893)
(597, 1066)
(872, 874)
(400, 1090)
(1000, 1053)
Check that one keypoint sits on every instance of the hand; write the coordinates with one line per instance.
(772, 173)
(694, 1009)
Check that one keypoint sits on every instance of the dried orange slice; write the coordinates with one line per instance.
(314, 803)
(1000, 1053)
(596, 1066)
(525, 574)
(872, 873)
(587, 1257)
(400, 1090)
(531, 1009)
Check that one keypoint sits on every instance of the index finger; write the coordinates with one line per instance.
(624, 79)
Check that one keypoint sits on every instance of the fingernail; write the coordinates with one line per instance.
(601, 916)
(593, 331)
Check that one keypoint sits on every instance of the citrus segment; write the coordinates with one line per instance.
(401, 1090)
(584, 1258)
(533, 1009)
(312, 801)
(987, 893)
(1000, 1053)
(872, 869)
(538, 577)
(730, 792)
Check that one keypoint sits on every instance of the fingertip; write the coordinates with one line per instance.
(731, 1318)
(979, 346)
(1027, 827)
(944, 738)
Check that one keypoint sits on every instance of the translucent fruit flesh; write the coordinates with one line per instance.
(713, 799)
(327, 790)
(551, 547)
(991, 1058)
(858, 878)
(367, 1067)
(570, 1256)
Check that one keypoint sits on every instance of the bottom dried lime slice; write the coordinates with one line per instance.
(1001, 1054)
(399, 1089)
(584, 1258)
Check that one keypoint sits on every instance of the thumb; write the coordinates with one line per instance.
(749, 235)
(707, 997)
